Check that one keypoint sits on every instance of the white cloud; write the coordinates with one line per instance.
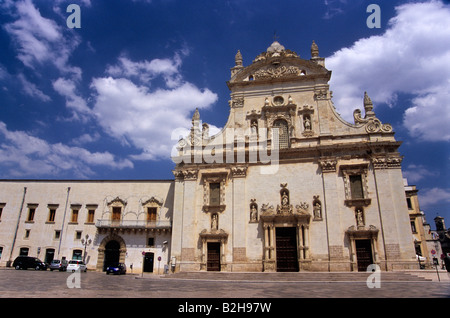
(130, 106)
(410, 57)
(76, 103)
(144, 118)
(145, 71)
(415, 173)
(24, 155)
(429, 197)
(31, 90)
(86, 138)
(40, 40)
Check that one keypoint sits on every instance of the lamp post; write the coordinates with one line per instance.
(85, 243)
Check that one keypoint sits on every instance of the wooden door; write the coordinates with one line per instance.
(363, 254)
(213, 260)
(286, 244)
(148, 262)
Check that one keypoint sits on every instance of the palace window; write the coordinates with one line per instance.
(2, 205)
(116, 213)
(413, 226)
(52, 212)
(409, 203)
(31, 212)
(77, 255)
(91, 213)
(117, 207)
(151, 214)
(24, 251)
(90, 217)
(74, 215)
(152, 207)
(51, 215)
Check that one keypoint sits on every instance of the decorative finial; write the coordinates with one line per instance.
(314, 50)
(238, 58)
(368, 106)
(196, 118)
(275, 36)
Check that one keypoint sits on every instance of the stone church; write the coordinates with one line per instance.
(286, 185)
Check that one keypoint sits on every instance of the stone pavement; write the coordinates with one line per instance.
(42, 284)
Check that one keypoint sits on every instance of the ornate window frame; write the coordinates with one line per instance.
(116, 203)
(207, 179)
(153, 202)
(353, 170)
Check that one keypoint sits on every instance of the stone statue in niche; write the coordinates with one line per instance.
(214, 222)
(359, 217)
(317, 211)
(284, 199)
(307, 122)
(253, 213)
(254, 127)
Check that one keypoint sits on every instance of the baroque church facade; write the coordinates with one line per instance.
(286, 185)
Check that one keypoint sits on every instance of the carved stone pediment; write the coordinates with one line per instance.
(286, 213)
(117, 202)
(214, 234)
(362, 232)
(154, 201)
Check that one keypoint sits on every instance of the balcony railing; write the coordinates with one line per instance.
(133, 224)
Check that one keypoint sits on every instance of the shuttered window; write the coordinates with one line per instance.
(214, 194)
(356, 187)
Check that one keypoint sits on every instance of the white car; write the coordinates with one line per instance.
(421, 258)
(75, 265)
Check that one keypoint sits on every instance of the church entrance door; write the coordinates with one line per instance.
(363, 254)
(213, 261)
(286, 245)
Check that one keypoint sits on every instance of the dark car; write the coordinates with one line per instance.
(25, 262)
(119, 268)
(60, 265)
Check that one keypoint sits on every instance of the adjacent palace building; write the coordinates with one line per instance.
(286, 185)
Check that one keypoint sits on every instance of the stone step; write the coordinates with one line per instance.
(300, 276)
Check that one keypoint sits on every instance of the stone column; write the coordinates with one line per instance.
(306, 240)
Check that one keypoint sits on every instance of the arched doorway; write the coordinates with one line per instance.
(112, 254)
(111, 249)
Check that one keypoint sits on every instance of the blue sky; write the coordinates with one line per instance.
(100, 101)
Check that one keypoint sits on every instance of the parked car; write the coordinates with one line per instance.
(75, 265)
(60, 265)
(421, 258)
(25, 262)
(119, 268)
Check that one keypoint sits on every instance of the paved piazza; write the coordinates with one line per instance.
(42, 284)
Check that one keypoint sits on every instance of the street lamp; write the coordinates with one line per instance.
(85, 242)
